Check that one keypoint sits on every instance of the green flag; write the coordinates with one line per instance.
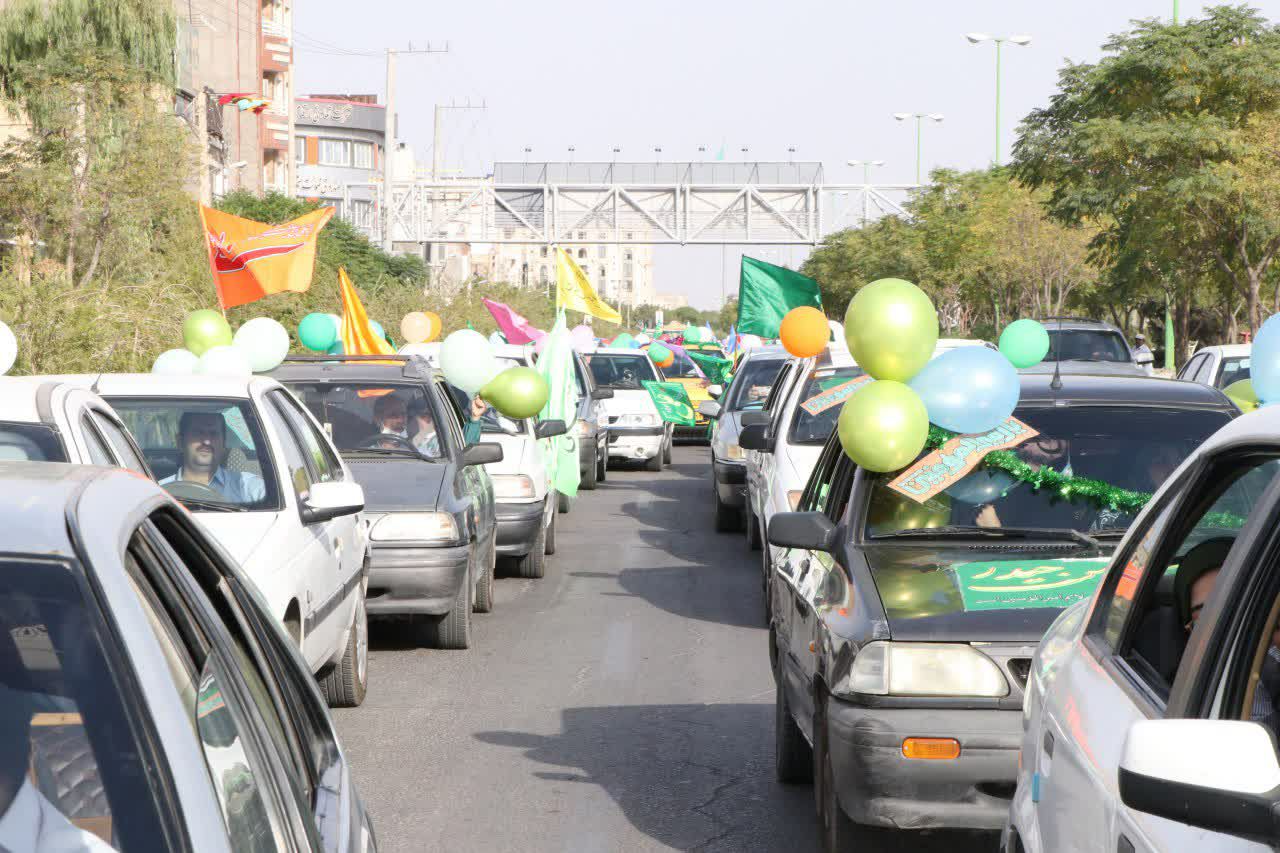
(560, 454)
(672, 402)
(767, 292)
(716, 368)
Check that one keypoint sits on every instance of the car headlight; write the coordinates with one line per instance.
(886, 668)
(414, 527)
(513, 486)
(733, 452)
(638, 420)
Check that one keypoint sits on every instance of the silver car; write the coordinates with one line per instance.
(148, 700)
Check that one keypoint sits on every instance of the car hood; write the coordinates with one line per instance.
(240, 533)
(1009, 592)
(1087, 368)
(395, 484)
(628, 402)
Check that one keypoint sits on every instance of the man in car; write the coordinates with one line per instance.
(202, 439)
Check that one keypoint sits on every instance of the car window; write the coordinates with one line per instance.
(1087, 345)
(1192, 367)
(24, 442)
(779, 389)
(125, 451)
(296, 471)
(373, 416)
(98, 452)
(208, 453)
(814, 498)
(453, 400)
(751, 384)
(74, 742)
(324, 464)
(1234, 369)
(1204, 375)
(813, 427)
(579, 379)
(624, 371)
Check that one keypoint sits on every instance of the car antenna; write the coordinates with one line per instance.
(1056, 384)
(94, 387)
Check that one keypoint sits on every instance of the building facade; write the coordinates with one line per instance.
(339, 145)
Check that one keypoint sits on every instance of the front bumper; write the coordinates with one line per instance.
(518, 526)
(636, 442)
(877, 785)
(415, 579)
(731, 482)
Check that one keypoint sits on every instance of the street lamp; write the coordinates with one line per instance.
(1020, 41)
(919, 117)
(866, 185)
(527, 152)
(571, 150)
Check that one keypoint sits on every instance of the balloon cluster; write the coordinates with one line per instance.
(891, 328)
(420, 327)
(259, 345)
(468, 363)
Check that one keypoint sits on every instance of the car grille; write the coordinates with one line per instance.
(1020, 668)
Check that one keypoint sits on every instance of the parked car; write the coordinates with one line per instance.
(1218, 366)
(430, 503)
(903, 627)
(635, 430)
(591, 431)
(148, 698)
(683, 372)
(752, 381)
(50, 419)
(275, 494)
(1149, 720)
(1077, 345)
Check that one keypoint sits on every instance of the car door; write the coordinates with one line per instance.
(471, 482)
(755, 458)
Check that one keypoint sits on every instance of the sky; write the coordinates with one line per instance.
(821, 77)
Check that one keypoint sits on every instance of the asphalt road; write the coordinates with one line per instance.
(623, 702)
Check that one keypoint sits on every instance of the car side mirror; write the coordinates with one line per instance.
(602, 394)
(482, 454)
(550, 428)
(759, 416)
(753, 437)
(715, 391)
(709, 409)
(326, 501)
(1220, 775)
(811, 531)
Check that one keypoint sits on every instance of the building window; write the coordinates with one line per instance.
(603, 274)
(582, 235)
(300, 149)
(626, 256)
(543, 252)
(582, 254)
(335, 203)
(361, 213)
(362, 155)
(626, 269)
(630, 235)
(602, 252)
(335, 152)
(542, 273)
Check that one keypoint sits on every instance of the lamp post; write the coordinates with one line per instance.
(571, 150)
(866, 185)
(1020, 41)
(919, 117)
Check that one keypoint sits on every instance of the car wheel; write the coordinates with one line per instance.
(753, 530)
(563, 502)
(588, 480)
(344, 685)
(666, 452)
(839, 833)
(728, 518)
(534, 564)
(793, 757)
(550, 546)
(453, 629)
(654, 462)
(602, 467)
(484, 589)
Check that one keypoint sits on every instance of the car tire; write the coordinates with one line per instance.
(793, 757)
(549, 547)
(654, 462)
(484, 589)
(753, 530)
(563, 502)
(839, 833)
(588, 480)
(666, 452)
(345, 685)
(534, 564)
(453, 629)
(728, 518)
(602, 467)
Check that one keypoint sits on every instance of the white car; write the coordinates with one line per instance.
(1150, 713)
(1218, 366)
(636, 431)
(279, 499)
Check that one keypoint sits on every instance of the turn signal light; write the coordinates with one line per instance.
(931, 748)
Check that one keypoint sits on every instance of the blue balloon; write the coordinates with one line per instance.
(1264, 361)
(968, 389)
(980, 487)
(337, 349)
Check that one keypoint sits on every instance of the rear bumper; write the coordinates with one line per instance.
(414, 579)
(518, 526)
(699, 430)
(636, 442)
(731, 482)
(878, 786)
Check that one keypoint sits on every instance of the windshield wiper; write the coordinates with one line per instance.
(1109, 532)
(384, 451)
(992, 533)
(211, 506)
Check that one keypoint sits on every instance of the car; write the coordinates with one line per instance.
(636, 431)
(753, 377)
(907, 605)
(591, 432)
(149, 699)
(1149, 721)
(683, 372)
(431, 510)
(280, 499)
(1079, 345)
(1218, 366)
(48, 419)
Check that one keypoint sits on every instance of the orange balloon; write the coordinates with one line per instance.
(668, 361)
(804, 331)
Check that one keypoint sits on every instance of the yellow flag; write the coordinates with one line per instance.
(574, 290)
(358, 337)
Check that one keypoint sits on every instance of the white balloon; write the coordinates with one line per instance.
(467, 360)
(224, 361)
(749, 341)
(641, 340)
(837, 331)
(264, 342)
(8, 349)
(175, 362)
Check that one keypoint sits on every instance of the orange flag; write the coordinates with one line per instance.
(250, 260)
(357, 336)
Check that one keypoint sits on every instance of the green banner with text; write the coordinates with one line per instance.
(672, 402)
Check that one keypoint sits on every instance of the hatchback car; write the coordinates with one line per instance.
(635, 430)
(149, 700)
(430, 504)
(1218, 366)
(907, 606)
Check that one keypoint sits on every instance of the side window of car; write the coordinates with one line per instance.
(324, 461)
(1192, 367)
(453, 418)
(841, 485)
(779, 387)
(125, 449)
(293, 467)
(819, 485)
(1207, 368)
(98, 452)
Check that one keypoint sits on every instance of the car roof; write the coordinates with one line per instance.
(775, 352)
(1076, 324)
(616, 351)
(412, 369)
(18, 397)
(1228, 350)
(156, 385)
(955, 343)
(1135, 390)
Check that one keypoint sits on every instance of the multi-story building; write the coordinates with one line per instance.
(339, 145)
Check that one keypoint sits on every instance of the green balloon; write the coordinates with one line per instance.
(1024, 342)
(517, 392)
(693, 335)
(318, 332)
(658, 353)
(623, 341)
(891, 328)
(205, 329)
(1242, 394)
(883, 426)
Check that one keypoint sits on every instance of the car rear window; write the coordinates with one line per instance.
(1233, 370)
(1087, 345)
(374, 416)
(752, 382)
(622, 371)
(26, 442)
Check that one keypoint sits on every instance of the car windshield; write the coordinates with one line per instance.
(69, 752)
(208, 453)
(1086, 345)
(1102, 447)
(813, 424)
(24, 442)
(373, 416)
(681, 368)
(622, 371)
(751, 384)
(1233, 370)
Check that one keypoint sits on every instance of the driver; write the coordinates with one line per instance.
(202, 439)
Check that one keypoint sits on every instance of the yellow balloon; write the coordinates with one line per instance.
(1242, 394)
(891, 328)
